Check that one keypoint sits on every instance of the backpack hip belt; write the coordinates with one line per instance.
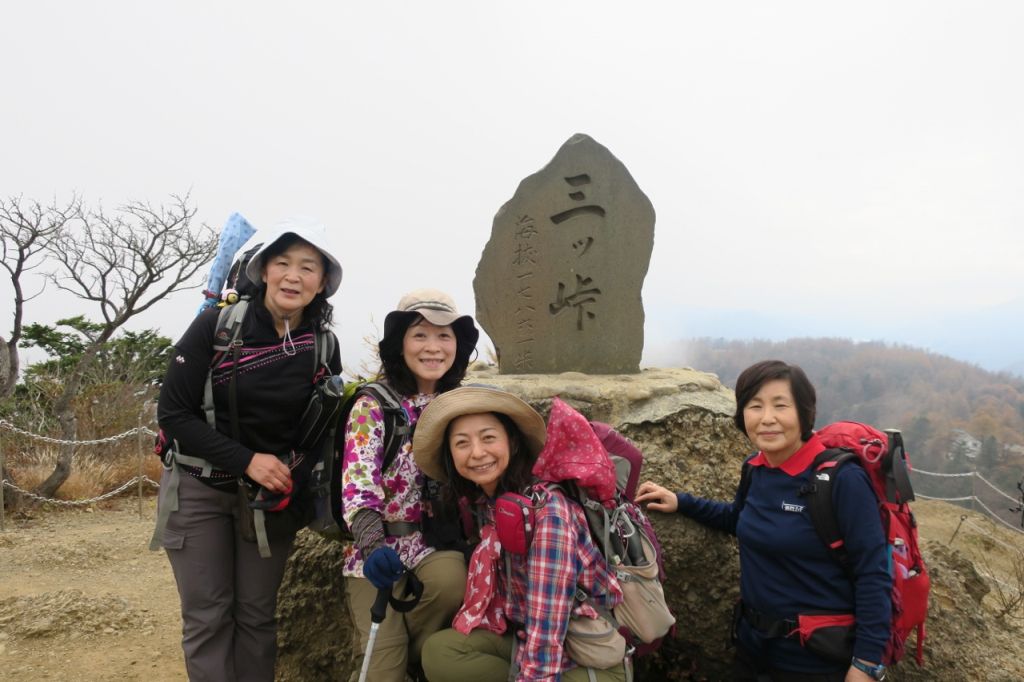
(173, 462)
(766, 625)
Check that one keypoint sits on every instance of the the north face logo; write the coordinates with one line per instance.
(786, 506)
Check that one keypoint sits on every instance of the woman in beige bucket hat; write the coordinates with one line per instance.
(424, 352)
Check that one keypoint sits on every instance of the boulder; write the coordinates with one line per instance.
(680, 418)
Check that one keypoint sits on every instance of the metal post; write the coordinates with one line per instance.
(963, 517)
(2, 486)
(974, 488)
(141, 460)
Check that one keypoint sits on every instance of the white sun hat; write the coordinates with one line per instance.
(307, 229)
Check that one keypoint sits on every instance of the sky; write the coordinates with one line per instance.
(817, 168)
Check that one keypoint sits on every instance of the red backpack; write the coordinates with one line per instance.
(621, 532)
(887, 466)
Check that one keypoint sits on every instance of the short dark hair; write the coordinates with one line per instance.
(757, 375)
(397, 374)
(515, 478)
(318, 311)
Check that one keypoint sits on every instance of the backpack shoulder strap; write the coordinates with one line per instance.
(744, 486)
(229, 318)
(396, 421)
(323, 345)
(818, 493)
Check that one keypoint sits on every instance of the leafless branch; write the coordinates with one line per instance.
(28, 230)
(124, 262)
(127, 261)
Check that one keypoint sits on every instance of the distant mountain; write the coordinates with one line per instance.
(992, 338)
(883, 384)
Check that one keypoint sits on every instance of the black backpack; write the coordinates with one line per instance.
(325, 481)
(442, 528)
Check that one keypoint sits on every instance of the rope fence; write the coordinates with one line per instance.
(143, 479)
(4, 424)
(973, 498)
(140, 481)
(79, 503)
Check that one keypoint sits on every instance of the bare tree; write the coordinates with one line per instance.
(123, 264)
(28, 229)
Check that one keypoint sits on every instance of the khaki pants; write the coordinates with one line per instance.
(400, 637)
(482, 656)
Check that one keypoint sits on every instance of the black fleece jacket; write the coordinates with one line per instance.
(274, 382)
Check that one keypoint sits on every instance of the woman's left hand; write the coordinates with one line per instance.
(656, 498)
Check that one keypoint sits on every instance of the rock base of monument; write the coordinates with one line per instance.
(680, 418)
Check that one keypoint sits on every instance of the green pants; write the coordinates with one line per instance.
(482, 656)
(400, 636)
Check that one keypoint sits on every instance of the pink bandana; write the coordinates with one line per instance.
(482, 606)
(574, 452)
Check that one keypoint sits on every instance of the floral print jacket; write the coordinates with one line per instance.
(395, 493)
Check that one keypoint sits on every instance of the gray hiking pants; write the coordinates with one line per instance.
(228, 593)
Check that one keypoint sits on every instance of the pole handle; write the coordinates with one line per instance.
(380, 605)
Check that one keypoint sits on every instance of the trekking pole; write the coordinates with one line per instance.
(377, 613)
(413, 590)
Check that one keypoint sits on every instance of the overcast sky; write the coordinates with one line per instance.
(784, 145)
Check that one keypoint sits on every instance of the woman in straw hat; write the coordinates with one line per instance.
(228, 591)
(485, 442)
(424, 352)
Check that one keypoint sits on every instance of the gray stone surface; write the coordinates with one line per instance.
(558, 287)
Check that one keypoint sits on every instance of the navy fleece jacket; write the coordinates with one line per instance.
(785, 568)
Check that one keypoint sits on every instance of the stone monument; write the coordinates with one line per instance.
(558, 287)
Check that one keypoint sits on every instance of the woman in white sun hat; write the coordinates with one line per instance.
(228, 590)
(425, 351)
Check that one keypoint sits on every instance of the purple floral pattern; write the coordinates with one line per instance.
(394, 493)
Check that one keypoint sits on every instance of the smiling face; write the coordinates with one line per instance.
(293, 278)
(429, 352)
(480, 449)
(772, 422)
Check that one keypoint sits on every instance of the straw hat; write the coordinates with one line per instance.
(432, 424)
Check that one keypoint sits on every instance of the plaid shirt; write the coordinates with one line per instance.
(542, 593)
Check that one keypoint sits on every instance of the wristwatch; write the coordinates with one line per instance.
(877, 672)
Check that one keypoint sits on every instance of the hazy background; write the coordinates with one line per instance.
(817, 168)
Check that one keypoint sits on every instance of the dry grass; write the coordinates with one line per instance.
(96, 469)
(996, 550)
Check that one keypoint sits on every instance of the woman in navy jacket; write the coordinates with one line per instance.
(785, 569)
